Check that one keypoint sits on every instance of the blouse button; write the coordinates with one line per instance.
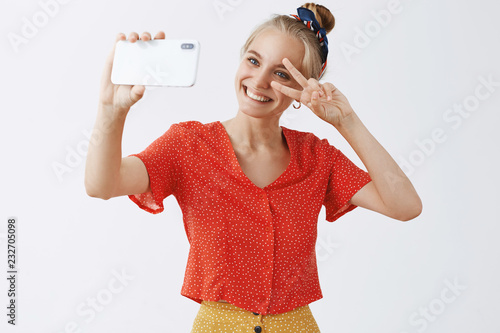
(258, 329)
(261, 196)
(267, 229)
(255, 313)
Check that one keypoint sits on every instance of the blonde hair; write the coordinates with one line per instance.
(312, 61)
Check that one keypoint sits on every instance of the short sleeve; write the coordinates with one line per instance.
(161, 160)
(346, 178)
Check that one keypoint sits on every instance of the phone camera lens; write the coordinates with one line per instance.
(187, 46)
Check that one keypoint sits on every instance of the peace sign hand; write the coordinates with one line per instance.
(325, 100)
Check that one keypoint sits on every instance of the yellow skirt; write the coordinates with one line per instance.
(228, 318)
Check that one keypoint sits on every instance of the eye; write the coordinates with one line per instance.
(282, 75)
(253, 61)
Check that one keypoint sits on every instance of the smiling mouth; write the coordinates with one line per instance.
(256, 97)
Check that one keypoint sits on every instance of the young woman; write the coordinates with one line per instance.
(250, 190)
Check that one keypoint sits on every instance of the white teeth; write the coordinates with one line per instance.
(257, 98)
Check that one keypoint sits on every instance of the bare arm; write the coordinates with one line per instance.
(107, 174)
(390, 192)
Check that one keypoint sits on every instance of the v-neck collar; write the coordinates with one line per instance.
(237, 163)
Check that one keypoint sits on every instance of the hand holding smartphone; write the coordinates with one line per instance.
(120, 98)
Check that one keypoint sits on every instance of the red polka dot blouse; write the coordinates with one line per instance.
(252, 247)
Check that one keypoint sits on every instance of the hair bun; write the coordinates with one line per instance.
(323, 15)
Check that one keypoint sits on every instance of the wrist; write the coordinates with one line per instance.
(112, 113)
(347, 123)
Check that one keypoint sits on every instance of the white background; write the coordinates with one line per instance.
(377, 274)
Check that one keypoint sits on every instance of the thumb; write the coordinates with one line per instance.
(136, 93)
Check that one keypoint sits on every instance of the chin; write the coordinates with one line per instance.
(253, 112)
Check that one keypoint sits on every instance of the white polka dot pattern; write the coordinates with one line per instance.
(215, 317)
(253, 247)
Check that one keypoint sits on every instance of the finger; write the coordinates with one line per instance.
(120, 36)
(297, 75)
(330, 89)
(133, 37)
(160, 35)
(315, 85)
(290, 92)
(146, 36)
(136, 93)
(314, 104)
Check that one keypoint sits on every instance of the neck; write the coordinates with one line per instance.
(254, 133)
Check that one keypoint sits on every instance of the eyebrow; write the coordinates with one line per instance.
(259, 56)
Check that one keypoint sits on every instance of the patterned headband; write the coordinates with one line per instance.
(307, 16)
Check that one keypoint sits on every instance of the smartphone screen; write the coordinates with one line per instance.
(161, 62)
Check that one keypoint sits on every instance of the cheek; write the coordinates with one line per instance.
(243, 70)
(240, 75)
(284, 99)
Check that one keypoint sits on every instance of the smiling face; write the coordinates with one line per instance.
(262, 64)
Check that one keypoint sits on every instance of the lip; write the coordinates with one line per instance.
(254, 92)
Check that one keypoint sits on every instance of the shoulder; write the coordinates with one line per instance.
(195, 127)
(192, 129)
(194, 136)
(307, 141)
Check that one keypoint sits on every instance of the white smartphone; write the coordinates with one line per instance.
(158, 62)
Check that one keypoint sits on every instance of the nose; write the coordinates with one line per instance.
(262, 79)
